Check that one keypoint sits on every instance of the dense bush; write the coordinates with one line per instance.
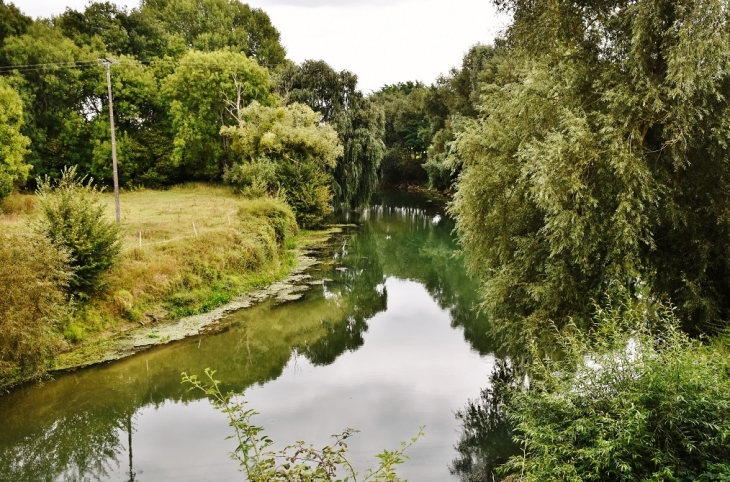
(72, 216)
(253, 179)
(33, 276)
(285, 151)
(277, 213)
(626, 405)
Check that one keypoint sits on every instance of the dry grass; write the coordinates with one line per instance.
(162, 216)
(236, 244)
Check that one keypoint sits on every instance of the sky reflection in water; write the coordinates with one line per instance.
(374, 349)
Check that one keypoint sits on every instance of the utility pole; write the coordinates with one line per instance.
(107, 64)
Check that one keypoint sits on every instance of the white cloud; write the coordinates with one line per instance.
(385, 42)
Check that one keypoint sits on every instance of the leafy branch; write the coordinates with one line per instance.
(300, 461)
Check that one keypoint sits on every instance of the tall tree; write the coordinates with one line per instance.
(600, 159)
(357, 120)
(451, 100)
(407, 132)
(210, 25)
(199, 93)
(54, 96)
(12, 23)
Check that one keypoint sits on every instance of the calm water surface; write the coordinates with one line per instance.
(390, 341)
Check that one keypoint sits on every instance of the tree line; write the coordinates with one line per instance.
(185, 69)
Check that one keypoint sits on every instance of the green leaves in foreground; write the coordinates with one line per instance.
(299, 462)
(626, 405)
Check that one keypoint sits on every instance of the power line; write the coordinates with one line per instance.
(92, 63)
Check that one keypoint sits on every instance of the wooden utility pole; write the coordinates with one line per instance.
(107, 64)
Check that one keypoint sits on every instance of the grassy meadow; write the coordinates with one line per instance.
(185, 251)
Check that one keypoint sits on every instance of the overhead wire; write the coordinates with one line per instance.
(88, 63)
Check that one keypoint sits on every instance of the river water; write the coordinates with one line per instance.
(390, 341)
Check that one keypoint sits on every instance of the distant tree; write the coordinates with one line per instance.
(210, 25)
(53, 97)
(100, 23)
(407, 132)
(199, 92)
(285, 151)
(12, 24)
(142, 122)
(453, 99)
(12, 143)
(357, 120)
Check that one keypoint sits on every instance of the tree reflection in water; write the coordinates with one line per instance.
(486, 441)
(80, 427)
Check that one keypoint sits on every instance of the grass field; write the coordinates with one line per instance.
(185, 250)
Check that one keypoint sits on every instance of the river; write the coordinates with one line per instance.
(389, 341)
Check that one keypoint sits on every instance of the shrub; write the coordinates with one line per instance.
(33, 277)
(306, 189)
(278, 215)
(73, 217)
(626, 405)
(253, 179)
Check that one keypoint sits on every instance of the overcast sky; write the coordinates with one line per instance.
(382, 41)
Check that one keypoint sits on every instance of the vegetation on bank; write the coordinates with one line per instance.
(587, 149)
(182, 251)
(593, 194)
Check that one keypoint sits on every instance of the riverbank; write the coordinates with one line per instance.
(190, 255)
(133, 340)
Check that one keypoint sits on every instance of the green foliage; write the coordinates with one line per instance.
(407, 133)
(600, 156)
(72, 217)
(299, 462)
(12, 23)
(12, 143)
(253, 179)
(277, 213)
(284, 151)
(211, 25)
(306, 188)
(634, 400)
(451, 100)
(52, 98)
(199, 93)
(358, 121)
(421, 123)
(143, 128)
(33, 277)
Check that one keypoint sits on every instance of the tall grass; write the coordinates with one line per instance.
(33, 276)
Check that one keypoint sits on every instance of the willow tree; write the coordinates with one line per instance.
(600, 160)
(359, 122)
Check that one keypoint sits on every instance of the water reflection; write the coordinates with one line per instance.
(485, 441)
(372, 346)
